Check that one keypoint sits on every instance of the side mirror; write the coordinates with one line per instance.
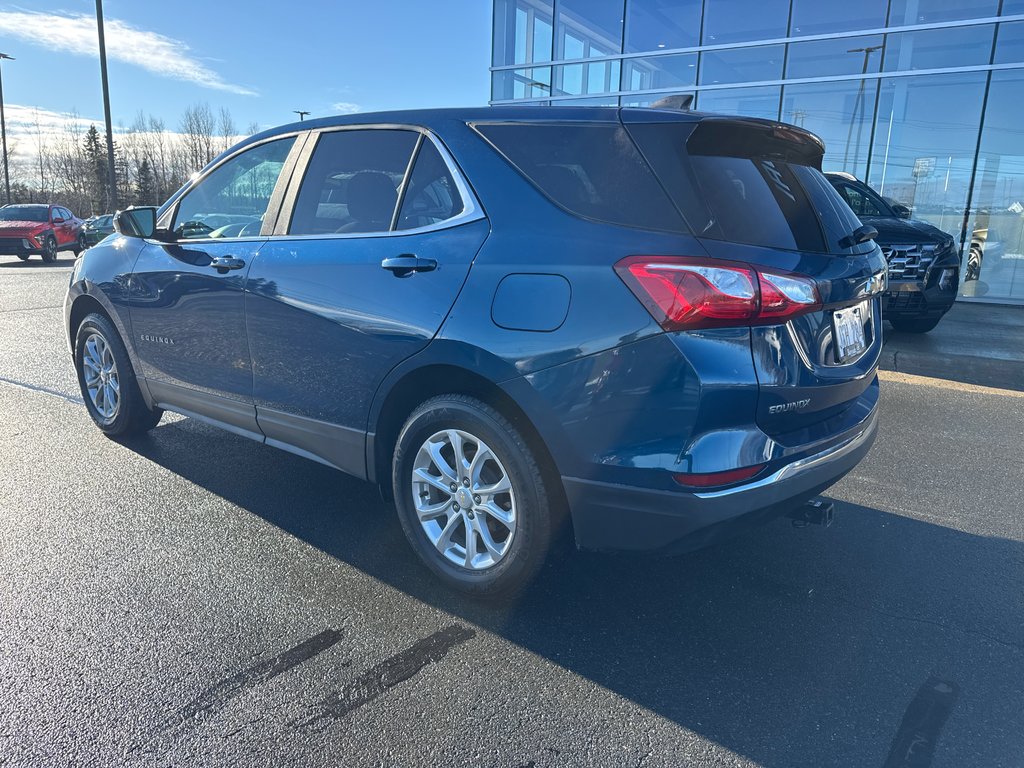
(901, 211)
(58, 220)
(136, 222)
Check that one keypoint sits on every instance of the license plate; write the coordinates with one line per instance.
(848, 327)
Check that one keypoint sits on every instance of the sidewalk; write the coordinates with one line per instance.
(974, 343)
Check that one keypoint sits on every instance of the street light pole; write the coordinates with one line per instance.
(3, 130)
(301, 113)
(858, 102)
(111, 175)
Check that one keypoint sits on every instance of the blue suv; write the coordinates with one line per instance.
(655, 326)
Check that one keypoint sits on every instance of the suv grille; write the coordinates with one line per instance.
(908, 262)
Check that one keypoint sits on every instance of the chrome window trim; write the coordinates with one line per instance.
(471, 208)
(769, 41)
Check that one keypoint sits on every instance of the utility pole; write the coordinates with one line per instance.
(111, 175)
(301, 113)
(3, 130)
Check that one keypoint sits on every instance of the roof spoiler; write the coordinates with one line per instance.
(753, 137)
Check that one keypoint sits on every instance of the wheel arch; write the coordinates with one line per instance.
(440, 378)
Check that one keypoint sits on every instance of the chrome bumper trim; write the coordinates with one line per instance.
(801, 465)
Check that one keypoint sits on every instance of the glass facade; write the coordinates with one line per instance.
(919, 98)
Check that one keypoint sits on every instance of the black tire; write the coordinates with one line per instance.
(49, 249)
(914, 324)
(132, 416)
(79, 246)
(529, 543)
(23, 256)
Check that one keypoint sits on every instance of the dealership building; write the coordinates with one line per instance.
(922, 99)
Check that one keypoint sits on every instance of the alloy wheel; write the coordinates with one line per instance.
(101, 377)
(464, 499)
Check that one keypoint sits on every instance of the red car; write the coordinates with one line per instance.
(39, 228)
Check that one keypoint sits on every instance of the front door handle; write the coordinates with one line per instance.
(224, 263)
(407, 264)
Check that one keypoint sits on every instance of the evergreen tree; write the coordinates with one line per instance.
(145, 185)
(96, 160)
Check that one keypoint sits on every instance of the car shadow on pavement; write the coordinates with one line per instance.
(34, 262)
(786, 646)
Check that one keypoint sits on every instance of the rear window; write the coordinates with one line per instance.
(748, 191)
(592, 170)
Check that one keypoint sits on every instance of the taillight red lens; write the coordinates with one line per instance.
(712, 479)
(683, 293)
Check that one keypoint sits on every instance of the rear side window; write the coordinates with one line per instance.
(745, 189)
(351, 185)
(431, 195)
(592, 170)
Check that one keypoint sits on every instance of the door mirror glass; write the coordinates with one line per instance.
(136, 222)
(231, 200)
(58, 219)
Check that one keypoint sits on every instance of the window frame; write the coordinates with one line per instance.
(471, 210)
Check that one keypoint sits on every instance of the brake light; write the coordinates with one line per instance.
(712, 479)
(684, 293)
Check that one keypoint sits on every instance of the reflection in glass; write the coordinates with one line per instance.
(751, 102)
(937, 48)
(1010, 43)
(654, 24)
(742, 65)
(994, 253)
(926, 132)
(659, 72)
(903, 12)
(843, 56)
(590, 77)
(589, 28)
(1012, 7)
(522, 31)
(531, 83)
(817, 17)
(733, 21)
(841, 114)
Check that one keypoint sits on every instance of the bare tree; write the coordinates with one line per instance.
(198, 127)
(226, 129)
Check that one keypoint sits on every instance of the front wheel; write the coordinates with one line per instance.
(49, 249)
(107, 380)
(23, 256)
(974, 259)
(914, 324)
(470, 496)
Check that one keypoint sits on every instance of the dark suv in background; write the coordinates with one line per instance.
(664, 325)
(924, 266)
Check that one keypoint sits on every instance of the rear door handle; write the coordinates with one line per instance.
(223, 263)
(407, 264)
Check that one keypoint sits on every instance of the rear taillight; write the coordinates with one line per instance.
(686, 294)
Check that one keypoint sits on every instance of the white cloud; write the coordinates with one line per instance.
(153, 52)
(345, 108)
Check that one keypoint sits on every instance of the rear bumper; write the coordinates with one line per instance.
(609, 516)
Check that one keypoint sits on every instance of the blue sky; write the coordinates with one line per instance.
(261, 60)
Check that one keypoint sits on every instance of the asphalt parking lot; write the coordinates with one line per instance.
(193, 598)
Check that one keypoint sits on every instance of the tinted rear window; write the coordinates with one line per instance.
(755, 197)
(593, 170)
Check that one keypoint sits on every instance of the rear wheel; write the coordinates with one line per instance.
(107, 380)
(470, 496)
(50, 249)
(79, 245)
(914, 324)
